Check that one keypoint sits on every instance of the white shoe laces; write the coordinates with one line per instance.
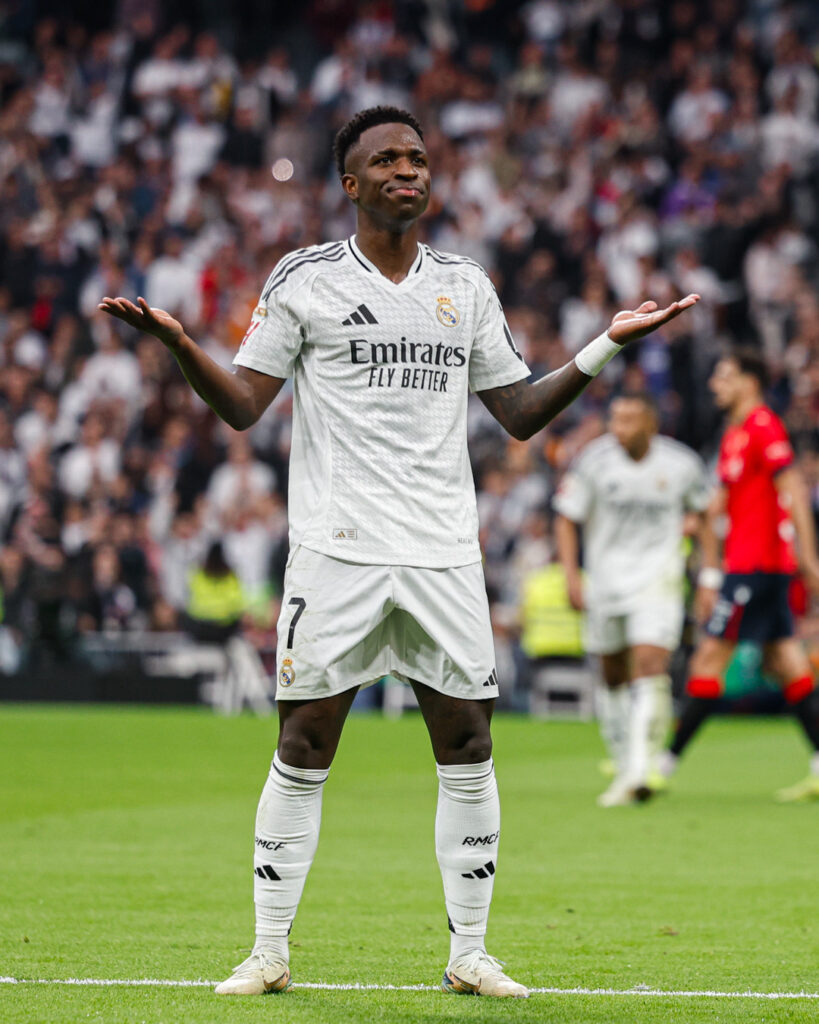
(257, 961)
(480, 962)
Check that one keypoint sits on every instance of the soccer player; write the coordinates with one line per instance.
(631, 491)
(384, 338)
(765, 502)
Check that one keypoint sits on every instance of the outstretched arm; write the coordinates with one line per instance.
(523, 408)
(238, 398)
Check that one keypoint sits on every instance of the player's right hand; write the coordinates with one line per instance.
(705, 600)
(574, 589)
(145, 318)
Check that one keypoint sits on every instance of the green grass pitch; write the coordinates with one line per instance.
(126, 844)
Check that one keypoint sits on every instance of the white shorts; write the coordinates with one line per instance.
(656, 622)
(344, 625)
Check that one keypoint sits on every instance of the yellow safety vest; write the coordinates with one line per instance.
(215, 598)
(549, 624)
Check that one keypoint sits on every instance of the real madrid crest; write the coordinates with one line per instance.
(446, 312)
(287, 674)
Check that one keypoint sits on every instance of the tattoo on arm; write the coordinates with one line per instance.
(523, 409)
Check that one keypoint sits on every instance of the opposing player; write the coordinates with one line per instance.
(631, 491)
(384, 338)
(765, 502)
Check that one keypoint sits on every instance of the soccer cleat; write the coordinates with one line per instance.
(622, 793)
(259, 975)
(619, 794)
(800, 792)
(479, 974)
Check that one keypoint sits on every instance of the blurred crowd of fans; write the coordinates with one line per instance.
(590, 154)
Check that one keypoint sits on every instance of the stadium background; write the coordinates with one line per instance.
(589, 154)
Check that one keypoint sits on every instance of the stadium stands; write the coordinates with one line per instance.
(588, 154)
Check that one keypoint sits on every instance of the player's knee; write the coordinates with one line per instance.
(650, 665)
(475, 749)
(304, 749)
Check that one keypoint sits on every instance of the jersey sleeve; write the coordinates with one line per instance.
(575, 495)
(273, 340)
(770, 439)
(494, 360)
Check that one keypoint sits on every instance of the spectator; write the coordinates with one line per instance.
(216, 602)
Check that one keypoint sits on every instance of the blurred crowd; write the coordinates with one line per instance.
(590, 154)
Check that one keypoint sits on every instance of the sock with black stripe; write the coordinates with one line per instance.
(287, 830)
(467, 830)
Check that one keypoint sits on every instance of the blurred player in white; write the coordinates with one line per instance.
(384, 338)
(631, 491)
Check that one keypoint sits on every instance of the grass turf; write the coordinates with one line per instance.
(125, 845)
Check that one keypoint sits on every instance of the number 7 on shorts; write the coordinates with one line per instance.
(300, 604)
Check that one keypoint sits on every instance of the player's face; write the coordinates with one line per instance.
(632, 423)
(388, 174)
(726, 383)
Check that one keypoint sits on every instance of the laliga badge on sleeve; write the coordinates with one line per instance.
(287, 674)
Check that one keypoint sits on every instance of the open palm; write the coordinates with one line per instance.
(631, 324)
(144, 318)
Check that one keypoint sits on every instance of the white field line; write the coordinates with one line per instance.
(639, 990)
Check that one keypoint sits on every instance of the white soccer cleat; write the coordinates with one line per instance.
(621, 793)
(259, 975)
(617, 795)
(479, 974)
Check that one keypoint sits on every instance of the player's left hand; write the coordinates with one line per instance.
(810, 574)
(631, 324)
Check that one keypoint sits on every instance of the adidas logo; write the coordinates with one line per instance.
(492, 680)
(266, 871)
(362, 315)
(484, 872)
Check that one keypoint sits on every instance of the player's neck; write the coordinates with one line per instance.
(638, 449)
(392, 252)
(744, 407)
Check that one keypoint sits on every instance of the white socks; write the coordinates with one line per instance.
(467, 829)
(287, 830)
(661, 717)
(612, 705)
(634, 722)
(635, 768)
(649, 720)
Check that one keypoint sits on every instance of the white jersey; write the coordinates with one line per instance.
(632, 513)
(379, 470)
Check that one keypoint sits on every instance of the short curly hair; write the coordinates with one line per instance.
(351, 132)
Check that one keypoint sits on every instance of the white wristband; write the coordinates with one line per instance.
(710, 577)
(591, 359)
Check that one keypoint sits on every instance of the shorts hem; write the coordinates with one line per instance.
(287, 694)
(468, 693)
